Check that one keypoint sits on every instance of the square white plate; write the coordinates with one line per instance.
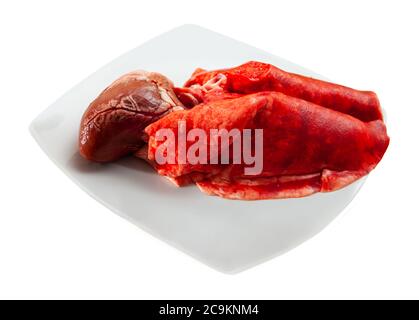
(227, 235)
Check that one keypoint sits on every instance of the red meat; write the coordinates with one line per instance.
(307, 148)
(255, 77)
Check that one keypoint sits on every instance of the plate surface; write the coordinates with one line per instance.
(227, 235)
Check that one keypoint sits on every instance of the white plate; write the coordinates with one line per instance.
(227, 235)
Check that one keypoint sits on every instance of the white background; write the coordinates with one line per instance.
(57, 242)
